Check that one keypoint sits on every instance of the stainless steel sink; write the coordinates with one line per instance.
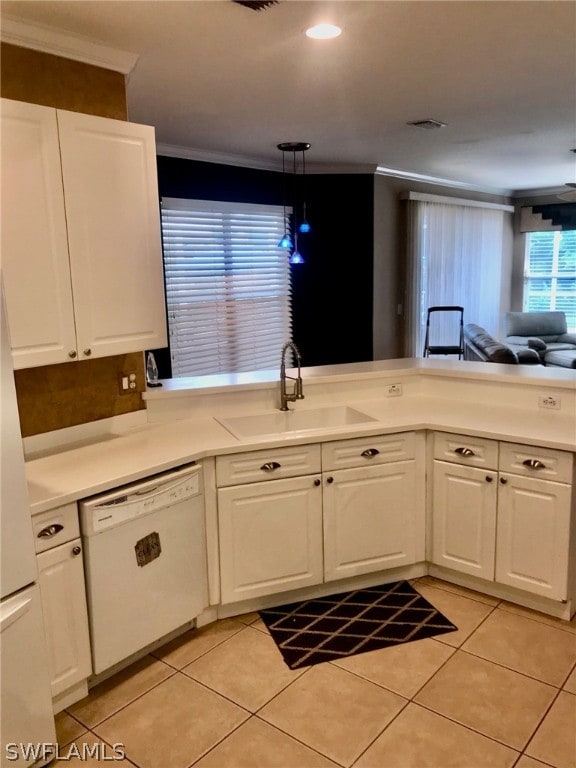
(283, 422)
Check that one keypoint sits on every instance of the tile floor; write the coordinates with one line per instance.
(500, 692)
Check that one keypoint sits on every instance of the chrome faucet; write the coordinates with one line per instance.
(296, 394)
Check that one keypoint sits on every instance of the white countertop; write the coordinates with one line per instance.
(105, 462)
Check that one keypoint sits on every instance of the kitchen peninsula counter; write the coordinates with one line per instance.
(488, 400)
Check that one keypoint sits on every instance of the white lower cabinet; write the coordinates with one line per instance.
(464, 527)
(503, 523)
(370, 518)
(532, 535)
(61, 580)
(270, 537)
(362, 513)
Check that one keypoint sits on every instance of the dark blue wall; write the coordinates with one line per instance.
(332, 291)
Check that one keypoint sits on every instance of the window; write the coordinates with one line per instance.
(456, 259)
(550, 273)
(227, 286)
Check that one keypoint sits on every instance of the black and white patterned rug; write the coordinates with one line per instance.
(333, 627)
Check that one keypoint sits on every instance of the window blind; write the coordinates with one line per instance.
(550, 273)
(456, 259)
(227, 286)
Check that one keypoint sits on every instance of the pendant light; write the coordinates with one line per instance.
(302, 227)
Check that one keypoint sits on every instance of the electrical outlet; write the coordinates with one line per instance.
(393, 390)
(549, 401)
(127, 383)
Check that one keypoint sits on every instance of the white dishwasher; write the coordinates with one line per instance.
(145, 562)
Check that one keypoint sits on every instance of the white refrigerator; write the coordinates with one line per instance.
(27, 733)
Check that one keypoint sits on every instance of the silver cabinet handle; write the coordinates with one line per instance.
(370, 452)
(270, 466)
(76, 551)
(534, 464)
(464, 452)
(50, 530)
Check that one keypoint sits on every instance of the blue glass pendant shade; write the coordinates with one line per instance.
(296, 258)
(286, 242)
(304, 227)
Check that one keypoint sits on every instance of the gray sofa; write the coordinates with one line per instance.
(543, 332)
(480, 345)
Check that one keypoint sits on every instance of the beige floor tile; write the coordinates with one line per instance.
(495, 701)
(248, 668)
(172, 725)
(67, 728)
(567, 626)
(529, 762)
(555, 740)
(261, 626)
(258, 745)
(418, 738)
(466, 614)
(527, 646)
(247, 618)
(333, 711)
(108, 697)
(570, 684)
(195, 643)
(92, 752)
(403, 668)
(431, 581)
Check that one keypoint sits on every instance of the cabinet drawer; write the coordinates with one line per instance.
(57, 526)
(255, 466)
(531, 461)
(357, 452)
(466, 450)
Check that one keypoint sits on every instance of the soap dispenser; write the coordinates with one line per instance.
(152, 371)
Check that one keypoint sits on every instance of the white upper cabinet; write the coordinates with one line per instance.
(35, 260)
(82, 251)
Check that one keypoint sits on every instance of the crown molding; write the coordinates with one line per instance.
(205, 156)
(410, 176)
(542, 192)
(223, 158)
(64, 44)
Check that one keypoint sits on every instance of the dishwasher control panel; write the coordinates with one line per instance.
(108, 510)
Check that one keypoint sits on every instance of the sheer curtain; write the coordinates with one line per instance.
(456, 256)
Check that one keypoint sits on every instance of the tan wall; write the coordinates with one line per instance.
(58, 396)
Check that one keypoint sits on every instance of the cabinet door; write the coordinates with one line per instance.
(370, 518)
(111, 192)
(61, 580)
(35, 263)
(270, 537)
(533, 535)
(464, 519)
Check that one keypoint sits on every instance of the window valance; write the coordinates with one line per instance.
(547, 218)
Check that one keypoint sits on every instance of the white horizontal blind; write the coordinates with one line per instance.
(550, 273)
(227, 286)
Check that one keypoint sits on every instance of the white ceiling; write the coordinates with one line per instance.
(222, 80)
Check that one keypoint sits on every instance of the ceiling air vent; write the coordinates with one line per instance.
(427, 125)
(256, 5)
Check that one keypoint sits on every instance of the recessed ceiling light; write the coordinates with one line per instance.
(323, 31)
